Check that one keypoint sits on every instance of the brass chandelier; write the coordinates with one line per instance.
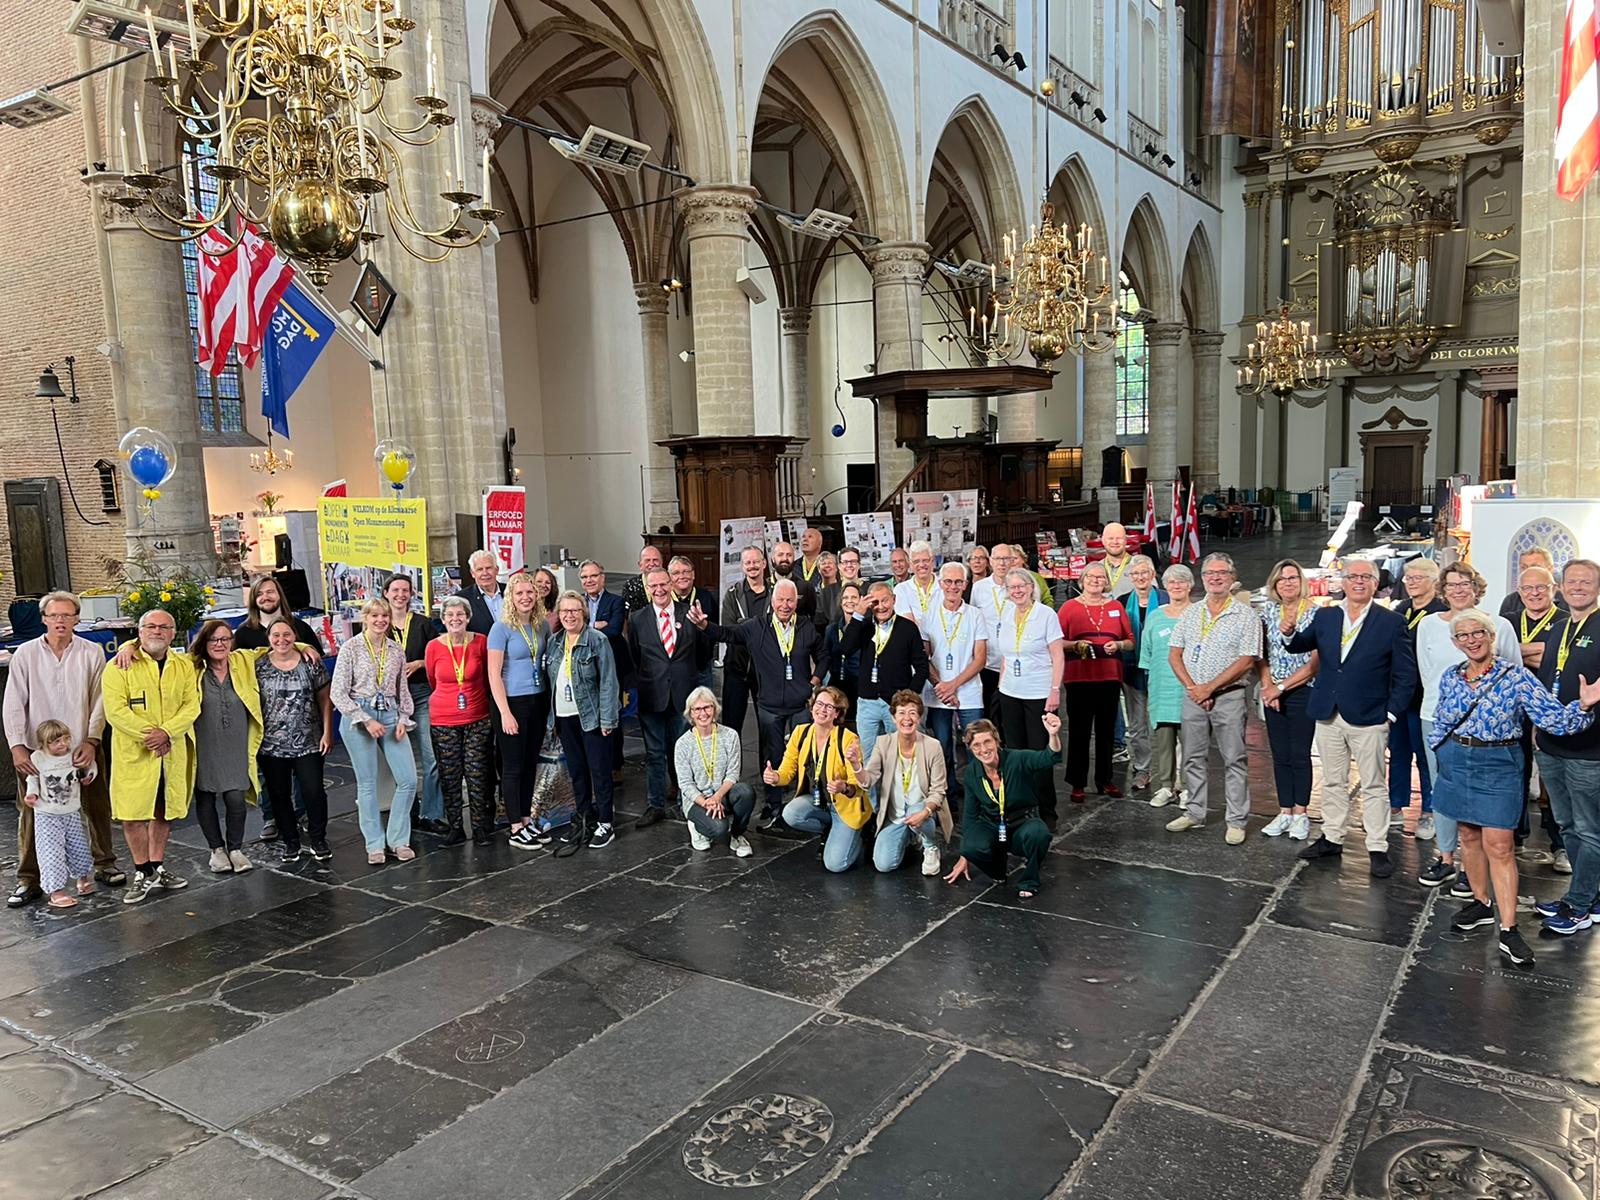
(1283, 357)
(1050, 288)
(322, 140)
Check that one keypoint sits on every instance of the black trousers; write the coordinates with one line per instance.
(588, 754)
(1029, 839)
(776, 725)
(1290, 733)
(735, 700)
(278, 774)
(1022, 728)
(205, 812)
(519, 753)
(1091, 708)
(991, 694)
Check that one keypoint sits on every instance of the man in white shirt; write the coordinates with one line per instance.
(957, 641)
(57, 677)
(990, 598)
(484, 593)
(919, 595)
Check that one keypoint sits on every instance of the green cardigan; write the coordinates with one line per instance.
(1018, 769)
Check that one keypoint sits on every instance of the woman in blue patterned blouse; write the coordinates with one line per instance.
(1284, 696)
(1477, 735)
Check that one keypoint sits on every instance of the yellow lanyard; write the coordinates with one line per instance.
(999, 594)
(807, 572)
(460, 665)
(922, 596)
(907, 767)
(1022, 623)
(1346, 638)
(1126, 559)
(819, 759)
(1207, 626)
(786, 646)
(1416, 619)
(378, 653)
(1529, 634)
(566, 655)
(1562, 650)
(1000, 800)
(949, 636)
(532, 644)
(402, 634)
(710, 760)
(880, 639)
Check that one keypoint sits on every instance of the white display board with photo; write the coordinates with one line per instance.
(948, 521)
(737, 534)
(873, 535)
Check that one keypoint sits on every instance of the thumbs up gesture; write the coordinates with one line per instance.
(769, 776)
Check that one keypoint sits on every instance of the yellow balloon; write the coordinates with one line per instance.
(395, 467)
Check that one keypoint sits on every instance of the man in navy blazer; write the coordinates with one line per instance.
(664, 675)
(1366, 673)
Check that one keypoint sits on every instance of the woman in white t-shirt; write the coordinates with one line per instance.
(1031, 663)
(957, 642)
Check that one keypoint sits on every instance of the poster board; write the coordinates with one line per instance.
(364, 541)
(948, 521)
(873, 535)
(738, 533)
(1344, 485)
(505, 525)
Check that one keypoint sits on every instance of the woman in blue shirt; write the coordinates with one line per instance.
(1285, 693)
(518, 686)
(1477, 738)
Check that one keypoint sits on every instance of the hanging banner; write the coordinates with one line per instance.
(873, 535)
(948, 521)
(505, 525)
(738, 534)
(365, 541)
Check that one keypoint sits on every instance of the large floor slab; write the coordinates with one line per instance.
(244, 1174)
(94, 1146)
(1132, 832)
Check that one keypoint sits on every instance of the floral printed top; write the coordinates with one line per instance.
(1508, 693)
(1280, 662)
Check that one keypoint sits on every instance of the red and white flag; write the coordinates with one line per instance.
(262, 284)
(1149, 514)
(217, 262)
(1192, 526)
(337, 489)
(1578, 122)
(238, 290)
(1175, 553)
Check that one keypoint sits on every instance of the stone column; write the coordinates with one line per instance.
(1099, 425)
(716, 224)
(1161, 344)
(1335, 447)
(1207, 351)
(898, 270)
(795, 323)
(1249, 440)
(156, 380)
(1019, 417)
(661, 490)
(1447, 434)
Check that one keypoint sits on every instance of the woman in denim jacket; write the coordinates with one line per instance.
(585, 700)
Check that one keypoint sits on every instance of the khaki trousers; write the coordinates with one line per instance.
(96, 799)
(1340, 743)
(1223, 726)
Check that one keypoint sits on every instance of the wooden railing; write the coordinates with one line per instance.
(915, 481)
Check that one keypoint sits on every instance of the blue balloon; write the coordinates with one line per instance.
(148, 465)
(838, 431)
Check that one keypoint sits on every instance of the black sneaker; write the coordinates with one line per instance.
(269, 831)
(1473, 916)
(1436, 873)
(770, 819)
(320, 851)
(290, 854)
(482, 837)
(649, 817)
(1382, 868)
(455, 837)
(1514, 948)
(603, 836)
(1461, 889)
(1322, 848)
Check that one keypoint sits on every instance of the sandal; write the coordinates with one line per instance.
(404, 853)
(62, 902)
(375, 858)
(85, 887)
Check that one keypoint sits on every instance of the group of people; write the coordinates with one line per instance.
(864, 690)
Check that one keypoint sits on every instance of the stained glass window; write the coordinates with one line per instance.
(1133, 367)
(221, 402)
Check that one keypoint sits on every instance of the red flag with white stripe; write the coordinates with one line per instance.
(1175, 553)
(217, 263)
(1578, 122)
(1192, 524)
(261, 285)
(1149, 514)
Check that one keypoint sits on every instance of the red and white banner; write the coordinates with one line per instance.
(505, 525)
(216, 264)
(1578, 118)
(1192, 526)
(338, 489)
(1149, 514)
(238, 289)
(1175, 547)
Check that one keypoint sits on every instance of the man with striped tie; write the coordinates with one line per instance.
(665, 655)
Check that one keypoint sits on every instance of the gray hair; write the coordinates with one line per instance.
(1027, 577)
(455, 602)
(592, 562)
(577, 598)
(1141, 560)
(699, 696)
(1218, 556)
(49, 598)
(478, 556)
(1177, 571)
(919, 547)
(958, 565)
(786, 583)
(1474, 616)
(676, 559)
(1425, 567)
(161, 612)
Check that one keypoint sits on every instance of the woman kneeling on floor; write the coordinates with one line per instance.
(911, 799)
(828, 799)
(707, 757)
(1002, 813)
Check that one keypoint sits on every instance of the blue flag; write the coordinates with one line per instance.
(296, 335)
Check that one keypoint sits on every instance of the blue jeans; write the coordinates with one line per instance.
(889, 851)
(364, 751)
(1445, 830)
(873, 720)
(661, 732)
(942, 725)
(422, 738)
(1574, 786)
(1405, 745)
(841, 848)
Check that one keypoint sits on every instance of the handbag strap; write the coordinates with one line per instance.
(1475, 699)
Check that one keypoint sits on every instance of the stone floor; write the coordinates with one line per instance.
(1171, 1017)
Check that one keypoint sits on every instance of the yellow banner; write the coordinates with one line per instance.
(378, 535)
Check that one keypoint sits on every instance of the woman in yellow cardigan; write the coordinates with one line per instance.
(828, 798)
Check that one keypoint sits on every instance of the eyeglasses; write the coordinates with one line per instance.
(161, 629)
(1216, 574)
(1534, 589)
(1458, 584)
(704, 708)
(1471, 635)
(824, 706)
(221, 639)
(1361, 579)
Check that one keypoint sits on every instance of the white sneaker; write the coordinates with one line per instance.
(1279, 825)
(1425, 830)
(241, 864)
(220, 862)
(740, 846)
(1162, 798)
(1235, 835)
(1397, 818)
(698, 840)
(1563, 864)
(930, 860)
(1182, 823)
(1299, 827)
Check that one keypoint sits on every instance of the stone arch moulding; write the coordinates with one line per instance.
(1073, 184)
(1199, 281)
(1542, 533)
(875, 133)
(1007, 210)
(1145, 241)
(674, 32)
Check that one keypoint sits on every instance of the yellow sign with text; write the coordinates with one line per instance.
(374, 535)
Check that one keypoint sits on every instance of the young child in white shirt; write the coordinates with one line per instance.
(59, 837)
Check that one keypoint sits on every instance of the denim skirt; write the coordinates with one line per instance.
(1480, 785)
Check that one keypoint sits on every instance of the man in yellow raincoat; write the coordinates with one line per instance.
(151, 708)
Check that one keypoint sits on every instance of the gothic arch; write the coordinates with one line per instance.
(1145, 251)
(1199, 291)
(1003, 207)
(1073, 193)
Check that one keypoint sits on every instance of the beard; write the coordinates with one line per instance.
(783, 568)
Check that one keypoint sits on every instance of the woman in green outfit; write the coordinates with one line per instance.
(1165, 692)
(1002, 812)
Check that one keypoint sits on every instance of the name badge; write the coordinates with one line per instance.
(380, 703)
(1016, 668)
(1002, 833)
(1194, 653)
(874, 674)
(568, 691)
(788, 671)
(949, 662)
(461, 702)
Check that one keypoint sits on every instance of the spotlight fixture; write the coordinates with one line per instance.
(1078, 99)
(1008, 58)
(1194, 178)
(971, 272)
(1168, 161)
(106, 22)
(603, 150)
(30, 108)
(685, 355)
(819, 223)
(672, 284)
(1100, 115)
(1149, 149)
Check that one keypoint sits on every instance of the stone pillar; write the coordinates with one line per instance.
(661, 488)
(1447, 433)
(795, 323)
(898, 270)
(716, 224)
(156, 380)
(1019, 417)
(1099, 414)
(1161, 344)
(1335, 445)
(486, 114)
(1249, 440)
(1207, 351)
